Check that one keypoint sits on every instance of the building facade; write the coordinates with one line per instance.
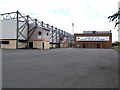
(39, 37)
(8, 30)
(18, 30)
(93, 39)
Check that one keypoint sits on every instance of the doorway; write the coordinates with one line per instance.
(98, 45)
(43, 45)
(84, 45)
(30, 44)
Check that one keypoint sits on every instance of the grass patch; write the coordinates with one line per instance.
(116, 48)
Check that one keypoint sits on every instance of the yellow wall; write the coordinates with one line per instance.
(63, 45)
(39, 45)
(46, 45)
(50, 45)
(36, 44)
(11, 45)
(22, 45)
(54, 45)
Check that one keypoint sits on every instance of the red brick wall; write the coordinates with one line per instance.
(103, 44)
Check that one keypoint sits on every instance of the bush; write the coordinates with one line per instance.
(116, 44)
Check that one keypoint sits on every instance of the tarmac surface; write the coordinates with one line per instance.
(60, 68)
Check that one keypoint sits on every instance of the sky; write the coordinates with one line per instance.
(87, 15)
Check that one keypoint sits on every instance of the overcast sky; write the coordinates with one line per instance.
(85, 14)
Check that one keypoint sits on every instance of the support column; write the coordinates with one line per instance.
(56, 36)
(52, 35)
(27, 31)
(17, 29)
(59, 37)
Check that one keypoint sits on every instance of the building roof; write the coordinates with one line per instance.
(96, 32)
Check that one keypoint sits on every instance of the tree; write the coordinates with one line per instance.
(115, 17)
(116, 43)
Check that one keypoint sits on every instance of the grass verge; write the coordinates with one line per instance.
(116, 48)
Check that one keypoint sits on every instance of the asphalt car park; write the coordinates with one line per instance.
(60, 68)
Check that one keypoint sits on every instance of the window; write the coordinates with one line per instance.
(22, 41)
(47, 34)
(94, 31)
(84, 45)
(94, 44)
(78, 44)
(39, 33)
(87, 44)
(4, 42)
(0, 43)
(91, 44)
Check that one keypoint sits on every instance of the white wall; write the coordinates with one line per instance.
(36, 36)
(54, 37)
(45, 36)
(24, 31)
(50, 36)
(8, 29)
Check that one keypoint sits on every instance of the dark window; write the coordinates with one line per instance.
(22, 41)
(94, 44)
(87, 44)
(94, 31)
(4, 42)
(39, 33)
(30, 44)
(0, 43)
(84, 45)
(47, 34)
(91, 44)
(98, 45)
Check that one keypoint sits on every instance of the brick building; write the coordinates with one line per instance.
(93, 39)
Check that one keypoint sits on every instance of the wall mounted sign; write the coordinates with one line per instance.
(92, 38)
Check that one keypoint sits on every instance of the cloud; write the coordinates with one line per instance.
(61, 11)
(85, 14)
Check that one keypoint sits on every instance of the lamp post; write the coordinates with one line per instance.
(73, 34)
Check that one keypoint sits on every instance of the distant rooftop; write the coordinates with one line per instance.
(96, 32)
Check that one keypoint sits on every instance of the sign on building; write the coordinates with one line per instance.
(92, 38)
